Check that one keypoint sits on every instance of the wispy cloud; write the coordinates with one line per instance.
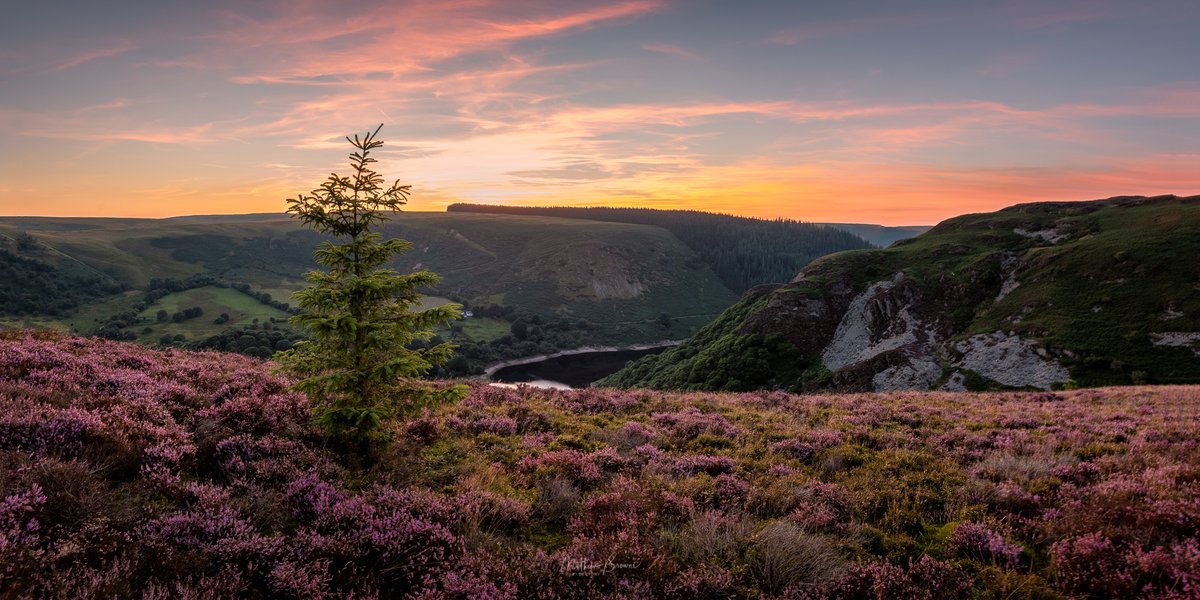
(111, 49)
(673, 50)
(820, 30)
(526, 101)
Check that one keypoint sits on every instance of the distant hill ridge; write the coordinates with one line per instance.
(742, 251)
(1038, 295)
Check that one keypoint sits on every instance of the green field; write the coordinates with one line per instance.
(482, 329)
(242, 310)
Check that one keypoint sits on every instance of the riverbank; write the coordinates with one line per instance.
(574, 368)
(491, 369)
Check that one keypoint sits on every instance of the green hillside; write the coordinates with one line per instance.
(618, 278)
(1037, 295)
(742, 251)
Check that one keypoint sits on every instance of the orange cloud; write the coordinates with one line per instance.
(477, 112)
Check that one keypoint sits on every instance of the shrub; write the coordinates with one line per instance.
(710, 538)
(783, 556)
(973, 540)
(1092, 565)
(923, 579)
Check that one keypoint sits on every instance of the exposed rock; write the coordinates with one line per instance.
(882, 340)
(617, 288)
(918, 374)
(1009, 264)
(1009, 360)
(956, 383)
(918, 315)
(1053, 236)
(857, 341)
(1170, 314)
(1176, 339)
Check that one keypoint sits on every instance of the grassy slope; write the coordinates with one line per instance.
(618, 275)
(242, 310)
(1093, 299)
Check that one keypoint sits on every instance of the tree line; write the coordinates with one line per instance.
(36, 282)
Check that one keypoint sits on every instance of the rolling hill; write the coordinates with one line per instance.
(620, 277)
(742, 251)
(1041, 295)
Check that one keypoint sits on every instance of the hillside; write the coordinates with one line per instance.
(1033, 296)
(130, 472)
(742, 251)
(618, 278)
(39, 280)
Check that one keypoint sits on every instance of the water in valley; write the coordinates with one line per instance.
(570, 370)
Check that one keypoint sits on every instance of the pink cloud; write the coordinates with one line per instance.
(298, 46)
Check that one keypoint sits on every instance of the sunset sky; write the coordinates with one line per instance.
(883, 112)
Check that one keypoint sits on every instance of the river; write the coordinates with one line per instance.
(570, 368)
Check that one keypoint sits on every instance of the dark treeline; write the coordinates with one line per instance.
(742, 251)
(34, 283)
(160, 287)
(265, 298)
(260, 340)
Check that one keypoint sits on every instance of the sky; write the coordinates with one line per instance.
(891, 112)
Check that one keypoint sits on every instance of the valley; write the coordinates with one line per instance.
(531, 283)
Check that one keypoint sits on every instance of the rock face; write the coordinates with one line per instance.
(883, 323)
(1030, 297)
(878, 320)
(1009, 360)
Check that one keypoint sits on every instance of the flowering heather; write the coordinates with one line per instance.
(129, 472)
(691, 422)
(977, 541)
(808, 443)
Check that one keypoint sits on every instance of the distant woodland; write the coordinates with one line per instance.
(37, 282)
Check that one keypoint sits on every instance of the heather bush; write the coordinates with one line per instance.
(805, 445)
(128, 472)
(923, 579)
(1092, 565)
(691, 464)
(976, 541)
(690, 423)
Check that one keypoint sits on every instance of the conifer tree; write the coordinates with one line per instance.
(359, 368)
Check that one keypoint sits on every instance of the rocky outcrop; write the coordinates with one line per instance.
(1009, 360)
(884, 322)
(1032, 296)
